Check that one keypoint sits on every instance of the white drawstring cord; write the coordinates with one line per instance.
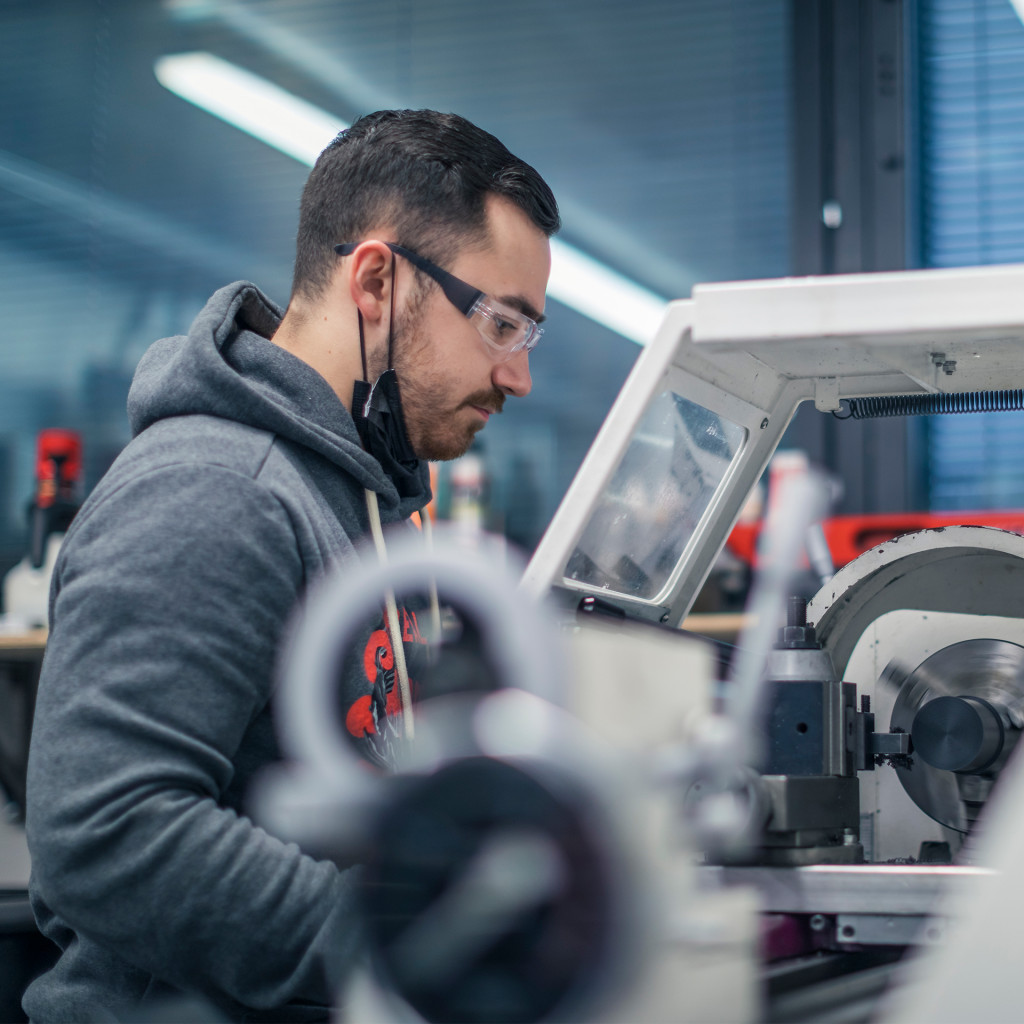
(435, 601)
(394, 628)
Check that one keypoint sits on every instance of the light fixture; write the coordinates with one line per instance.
(260, 108)
(605, 296)
(301, 130)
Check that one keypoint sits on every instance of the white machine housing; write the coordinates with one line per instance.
(734, 362)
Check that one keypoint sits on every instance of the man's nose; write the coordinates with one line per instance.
(513, 376)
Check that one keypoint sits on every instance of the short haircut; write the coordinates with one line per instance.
(423, 173)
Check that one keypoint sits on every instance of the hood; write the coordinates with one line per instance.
(226, 366)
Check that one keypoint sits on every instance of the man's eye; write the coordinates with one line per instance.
(505, 327)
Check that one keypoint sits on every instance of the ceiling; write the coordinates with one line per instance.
(661, 125)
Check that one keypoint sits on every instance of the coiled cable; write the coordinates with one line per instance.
(932, 404)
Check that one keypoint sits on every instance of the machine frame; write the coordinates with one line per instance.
(751, 352)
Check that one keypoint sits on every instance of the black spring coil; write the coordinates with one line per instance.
(925, 405)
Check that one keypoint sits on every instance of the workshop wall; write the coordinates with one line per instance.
(663, 128)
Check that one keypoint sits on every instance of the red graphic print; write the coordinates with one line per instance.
(383, 699)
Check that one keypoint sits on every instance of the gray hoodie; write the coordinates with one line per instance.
(243, 484)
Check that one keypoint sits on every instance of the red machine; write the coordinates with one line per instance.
(850, 536)
(58, 474)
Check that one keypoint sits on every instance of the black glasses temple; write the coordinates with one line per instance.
(461, 295)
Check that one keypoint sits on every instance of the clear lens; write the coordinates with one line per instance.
(506, 330)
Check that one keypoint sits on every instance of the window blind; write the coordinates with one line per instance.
(971, 94)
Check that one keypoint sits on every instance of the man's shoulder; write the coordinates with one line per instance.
(186, 459)
(199, 459)
(199, 440)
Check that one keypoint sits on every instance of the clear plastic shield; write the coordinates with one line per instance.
(661, 489)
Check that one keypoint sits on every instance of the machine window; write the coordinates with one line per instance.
(641, 526)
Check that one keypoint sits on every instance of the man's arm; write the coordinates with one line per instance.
(172, 595)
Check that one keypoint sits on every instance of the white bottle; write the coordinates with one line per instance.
(27, 589)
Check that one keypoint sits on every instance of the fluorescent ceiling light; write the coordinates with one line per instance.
(249, 102)
(302, 130)
(598, 292)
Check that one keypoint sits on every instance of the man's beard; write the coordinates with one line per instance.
(439, 428)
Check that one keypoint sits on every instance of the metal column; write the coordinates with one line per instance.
(850, 210)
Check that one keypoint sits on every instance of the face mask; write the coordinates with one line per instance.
(378, 415)
(377, 411)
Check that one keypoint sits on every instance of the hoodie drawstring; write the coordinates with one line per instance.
(435, 602)
(391, 609)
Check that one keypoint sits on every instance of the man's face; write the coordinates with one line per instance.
(451, 380)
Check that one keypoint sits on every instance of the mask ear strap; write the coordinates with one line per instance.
(391, 322)
(362, 344)
(346, 249)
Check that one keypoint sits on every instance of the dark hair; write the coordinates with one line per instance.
(423, 173)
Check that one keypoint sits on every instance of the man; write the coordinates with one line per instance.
(264, 448)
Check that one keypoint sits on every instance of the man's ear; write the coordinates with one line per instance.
(370, 279)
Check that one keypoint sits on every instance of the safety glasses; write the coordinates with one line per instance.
(505, 330)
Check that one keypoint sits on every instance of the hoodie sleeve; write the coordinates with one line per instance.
(169, 605)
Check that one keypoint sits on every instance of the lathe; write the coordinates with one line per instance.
(783, 836)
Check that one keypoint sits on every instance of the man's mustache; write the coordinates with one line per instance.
(492, 401)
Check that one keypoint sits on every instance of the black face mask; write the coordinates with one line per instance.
(377, 411)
